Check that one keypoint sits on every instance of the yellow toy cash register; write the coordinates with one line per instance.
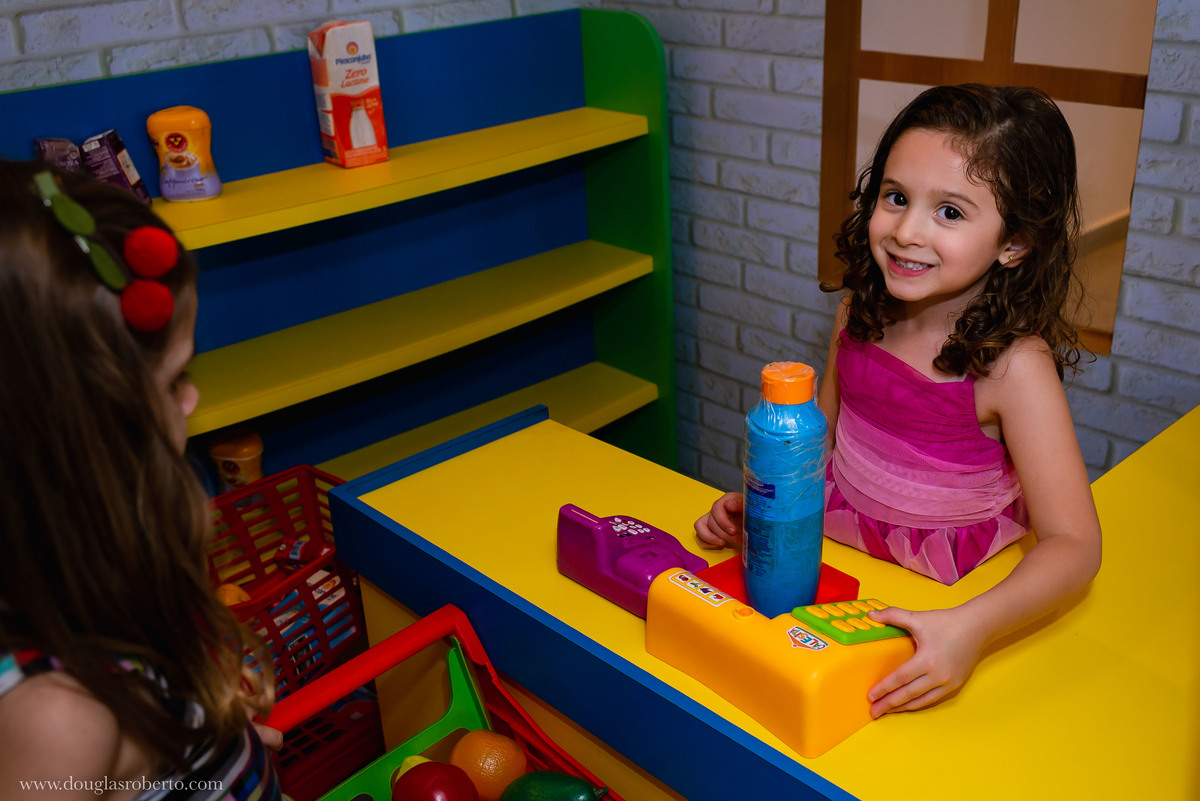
(803, 675)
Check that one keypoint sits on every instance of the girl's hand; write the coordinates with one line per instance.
(723, 524)
(948, 646)
(271, 738)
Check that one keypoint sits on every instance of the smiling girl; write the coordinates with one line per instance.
(950, 432)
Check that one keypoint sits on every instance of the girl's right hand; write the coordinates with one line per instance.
(722, 525)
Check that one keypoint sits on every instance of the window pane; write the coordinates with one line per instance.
(878, 103)
(942, 28)
(1111, 35)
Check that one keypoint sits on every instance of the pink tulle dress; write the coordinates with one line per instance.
(912, 478)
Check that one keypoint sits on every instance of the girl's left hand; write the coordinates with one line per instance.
(948, 647)
(271, 738)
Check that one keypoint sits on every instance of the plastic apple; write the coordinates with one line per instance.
(434, 781)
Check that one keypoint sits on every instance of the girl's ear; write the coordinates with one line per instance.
(1013, 253)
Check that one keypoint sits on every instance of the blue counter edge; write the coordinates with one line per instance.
(551, 660)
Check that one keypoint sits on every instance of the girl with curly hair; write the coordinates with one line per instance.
(949, 428)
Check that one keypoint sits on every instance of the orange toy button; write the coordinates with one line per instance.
(849, 609)
(743, 612)
(833, 610)
(843, 625)
(817, 611)
(877, 604)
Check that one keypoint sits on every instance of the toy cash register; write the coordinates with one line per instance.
(803, 675)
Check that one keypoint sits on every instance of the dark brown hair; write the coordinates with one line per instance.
(103, 522)
(1016, 141)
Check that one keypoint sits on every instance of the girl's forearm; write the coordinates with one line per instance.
(1053, 571)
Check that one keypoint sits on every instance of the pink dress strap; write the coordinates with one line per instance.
(912, 478)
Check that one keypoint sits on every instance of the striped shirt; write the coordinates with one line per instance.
(242, 771)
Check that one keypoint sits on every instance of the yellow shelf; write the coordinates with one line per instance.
(584, 399)
(267, 373)
(316, 192)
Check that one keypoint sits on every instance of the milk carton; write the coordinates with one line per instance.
(346, 84)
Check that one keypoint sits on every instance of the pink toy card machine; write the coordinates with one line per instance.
(618, 557)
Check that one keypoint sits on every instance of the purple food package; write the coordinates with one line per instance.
(105, 157)
(61, 153)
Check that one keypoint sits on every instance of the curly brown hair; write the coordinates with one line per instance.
(102, 520)
(1016, 141)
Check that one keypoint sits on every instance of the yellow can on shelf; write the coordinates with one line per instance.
(182, 137)
(237, 455)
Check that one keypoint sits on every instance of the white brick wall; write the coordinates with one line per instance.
(746, 118)
(744, 84)
(1153, 375)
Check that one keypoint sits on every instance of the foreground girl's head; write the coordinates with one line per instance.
(101, 519)
(1015, 142)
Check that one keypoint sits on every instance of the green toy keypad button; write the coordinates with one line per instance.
(847, 622)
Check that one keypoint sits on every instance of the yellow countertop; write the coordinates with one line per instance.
(1100, 702)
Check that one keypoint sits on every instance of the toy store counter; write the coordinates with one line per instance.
(1103, 702)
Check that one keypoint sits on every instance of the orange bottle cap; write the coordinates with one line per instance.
(788, 383)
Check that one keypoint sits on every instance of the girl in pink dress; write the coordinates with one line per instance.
(949, 429)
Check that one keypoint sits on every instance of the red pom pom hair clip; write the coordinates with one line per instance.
(149, 254)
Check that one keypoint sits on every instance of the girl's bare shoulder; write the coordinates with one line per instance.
(1027, 365)
(52, 728)
(1024, 356)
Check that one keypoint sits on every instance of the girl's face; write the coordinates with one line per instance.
(935, 233)
(176, 392)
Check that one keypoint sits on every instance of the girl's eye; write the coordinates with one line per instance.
(895, 198)
(949, 213)
(181, 381)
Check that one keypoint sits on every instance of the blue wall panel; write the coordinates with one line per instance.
(279, 280)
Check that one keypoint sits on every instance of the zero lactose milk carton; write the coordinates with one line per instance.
(346, 84)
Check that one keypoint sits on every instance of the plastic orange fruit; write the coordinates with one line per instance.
(231, 594)
(492, 760)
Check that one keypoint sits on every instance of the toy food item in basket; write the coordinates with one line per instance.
(434, 781)
(548, 785)
(492, 760)
(295, 554)
(232, 594)
(408, 764)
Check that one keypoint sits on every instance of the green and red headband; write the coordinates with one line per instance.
(149, 253)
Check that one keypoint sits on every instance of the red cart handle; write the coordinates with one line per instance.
(344, 679)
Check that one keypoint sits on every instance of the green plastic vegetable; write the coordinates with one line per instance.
(546, 785)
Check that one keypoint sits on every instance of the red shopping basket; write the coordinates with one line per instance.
(310, 619)
(477, 700)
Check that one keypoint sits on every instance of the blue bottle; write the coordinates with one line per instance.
(784, 486)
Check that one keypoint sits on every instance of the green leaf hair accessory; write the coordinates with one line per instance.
(79, 222)
(150, 253)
